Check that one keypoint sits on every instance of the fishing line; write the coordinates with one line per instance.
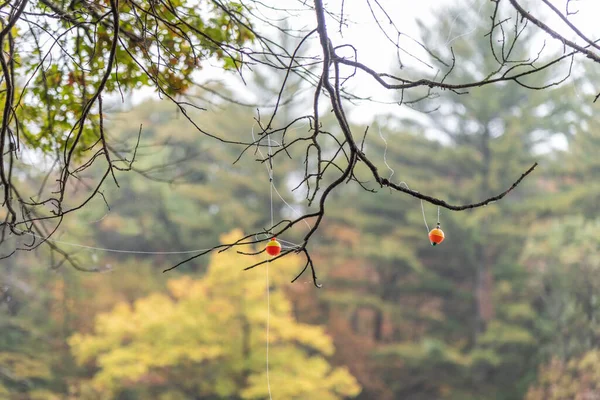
(423, 210)
(448, 40)
(109, 250)
(404, 183)
(127, 251)
(270, 171)
(385, 155)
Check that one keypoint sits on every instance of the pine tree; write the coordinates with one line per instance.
(454, 321)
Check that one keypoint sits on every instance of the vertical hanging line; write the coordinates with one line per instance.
(424, 218)
(422, 208)
(392, 172)
(270, 180)
(270, 168)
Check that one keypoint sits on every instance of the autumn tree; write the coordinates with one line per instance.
(206, 339)
(578, 378)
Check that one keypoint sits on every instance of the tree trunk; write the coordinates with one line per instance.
(484, 283)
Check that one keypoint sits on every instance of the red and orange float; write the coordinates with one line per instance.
(436, 236)
(273, 247)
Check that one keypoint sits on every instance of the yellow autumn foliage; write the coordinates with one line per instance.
(207, 337)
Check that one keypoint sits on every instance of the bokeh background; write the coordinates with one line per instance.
(506, 308)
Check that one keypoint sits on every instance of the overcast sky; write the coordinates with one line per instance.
(374, 50)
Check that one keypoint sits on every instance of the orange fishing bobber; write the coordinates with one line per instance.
(436, 236)
(273, 247)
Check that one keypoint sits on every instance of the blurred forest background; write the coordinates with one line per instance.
(506, 308)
